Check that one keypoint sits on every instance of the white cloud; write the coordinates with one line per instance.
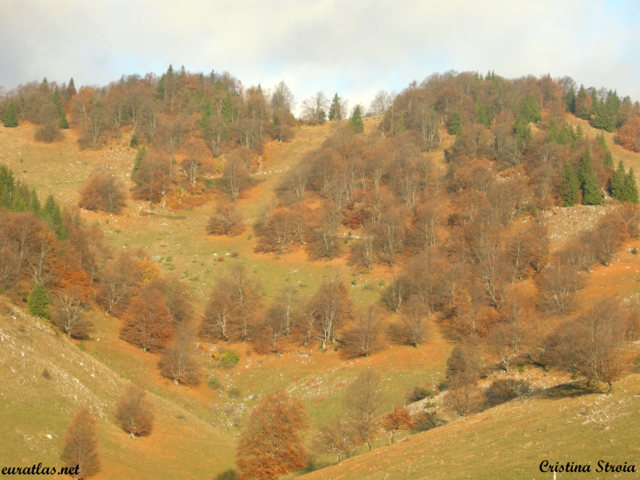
(354, 47)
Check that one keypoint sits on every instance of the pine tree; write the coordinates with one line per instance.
(10, 116)
(616, 189)
(483, 113)
(20, 196)
(583, 104)
(570, 100)
(454, 125)
(591, 190)
(7, 185)
(38, 303)
(356, 123)
(630, 188)
(521, 130)
(584, 168)
(570, 187)
(62, 117)
(81, 445)
(335, 111)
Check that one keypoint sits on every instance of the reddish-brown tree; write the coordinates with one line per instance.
(147, 322)
(272, 443)
(179, 362)
(399, 419)
(102, 192)
(226, 220)
(81, 445)
(134, 413)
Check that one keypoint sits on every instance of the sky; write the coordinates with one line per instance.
(351, 47)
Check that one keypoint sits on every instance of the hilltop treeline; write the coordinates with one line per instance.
(167, 111)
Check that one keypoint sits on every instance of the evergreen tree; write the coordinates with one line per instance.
(552, 130)
(335, 111)
(20, 196)
(139, 157)
(616, 189)
(7, 185)
(10, 116)
(630, 188)
(588, 181)
(483, 112)
(62, 117)
(570, 187)
(521, 130)
(582, 104)
(570, 100)
(356, 123)
(454, 125)
(603, 116)
(38, 303)
(529, 109)
(53, 216)
(34, 203)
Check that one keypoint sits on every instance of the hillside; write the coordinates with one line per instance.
(495, 198)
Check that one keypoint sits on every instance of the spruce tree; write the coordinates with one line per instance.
(7, 185)
(582, 104)
(53, 216)
(630, 188)
(570, 187)
(62, 117)
(529, 109)
(20, 196)
(356, 123)
(521, 130)
(570, 100)
(454, 125)
(588, 181)
(38, 303)
(335, 110)
(10, 116)
(616, 189)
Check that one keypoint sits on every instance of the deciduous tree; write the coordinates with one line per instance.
(81, 445)
(134, 413)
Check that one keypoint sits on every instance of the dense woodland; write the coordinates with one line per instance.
(470, 251)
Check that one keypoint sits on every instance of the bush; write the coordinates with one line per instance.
(230, 474)
(502, 391)
(418, 394)
(229, 359)
(214, 383)
(234, 392)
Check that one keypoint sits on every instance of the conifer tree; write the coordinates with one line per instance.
(454, 125)
(355, 121)
(34, 203)
(630, 188)
(616, 189)
(588, 181)
(582, 104)
(136, 163)
(10, 116)
(7, 185)
(529, 109)
(53, 216)
(483, 113)
(570, 100)
(335, 110)
(62, 117)
(38, 303)
(19, 201)
(570, 187)
(521, 130)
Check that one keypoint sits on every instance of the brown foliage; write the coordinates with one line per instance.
(558, 287)
(134, 413)
(179, 362)
(81, 445)
(69, 313)
(414, 322)
(628, 135)
(272, 443)
(593, 345)
(225, 220)
(284, 227)
(119, 281)
(363, 338)
(235, 177)
(363, 399)
(147, 321)
(102, 192)
(337, 437)
(329, 308)
(399, 419)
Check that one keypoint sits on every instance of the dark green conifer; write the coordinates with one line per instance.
(588, 181)
(529, 109)
(335, 110)
(19, 202)
(139, 157)
(630, 187)
(454, 125)
(38, 303)
(34, 202)
(356, 123)
(53, 216)
(616, 189)
(570, 187)
(10, 116)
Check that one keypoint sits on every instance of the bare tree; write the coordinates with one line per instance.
(363, 399)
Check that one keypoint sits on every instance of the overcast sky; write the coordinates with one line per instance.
(353, 47)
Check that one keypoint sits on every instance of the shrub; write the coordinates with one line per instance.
(229, 359)
(503, 390)
(214, 383)
(418, 393)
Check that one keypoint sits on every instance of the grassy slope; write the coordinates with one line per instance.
(510, 441)
(319, 379)
(35, 411)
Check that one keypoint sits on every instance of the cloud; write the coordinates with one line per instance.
(354, 48)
